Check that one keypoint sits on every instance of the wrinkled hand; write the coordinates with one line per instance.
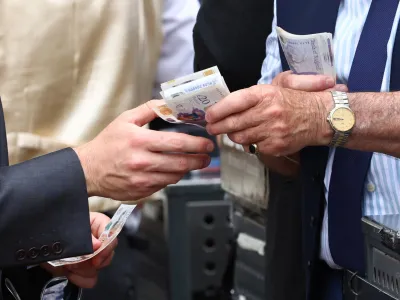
(280, 121)
(129, 162)
(85, 274)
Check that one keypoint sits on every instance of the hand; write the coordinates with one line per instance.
(129, 162)
(280, 121)
(307, 83)
(84, 274)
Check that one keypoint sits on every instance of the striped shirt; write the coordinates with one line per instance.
(382, 186)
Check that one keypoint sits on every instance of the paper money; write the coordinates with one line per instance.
(187, 98)
(308, 54)
(189, 78)
(109, 234)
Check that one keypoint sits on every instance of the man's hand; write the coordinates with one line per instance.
(281, 118)
(307, 83)
(84, 274)
(129, 162)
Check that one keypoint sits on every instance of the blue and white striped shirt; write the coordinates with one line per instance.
(382, 195)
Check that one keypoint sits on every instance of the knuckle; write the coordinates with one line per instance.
(138, 182)
(276, 111)
(238, 138)
(183, 165)
(139, 138)
(233, 123)
(177, 144)
(139, 163)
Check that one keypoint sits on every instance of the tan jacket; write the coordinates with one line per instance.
(69, 67)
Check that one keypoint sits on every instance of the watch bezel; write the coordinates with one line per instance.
(332, 112)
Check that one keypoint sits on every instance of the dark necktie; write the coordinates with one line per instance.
(350, 168)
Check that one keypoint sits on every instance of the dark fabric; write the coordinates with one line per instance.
(304, 17)
(28, 283)
(350, 168)
(44, 211)
(231, 34)
(283, 251)
(328, 283)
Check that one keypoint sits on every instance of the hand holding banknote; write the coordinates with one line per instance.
(84, 273)
(282, 121)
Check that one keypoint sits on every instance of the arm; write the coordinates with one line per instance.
(377, 125)
(37, 199)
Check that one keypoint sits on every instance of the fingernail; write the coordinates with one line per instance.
(210, 147)
(329, 82)
(207, 162)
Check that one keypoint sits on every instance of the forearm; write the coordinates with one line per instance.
(377, 127)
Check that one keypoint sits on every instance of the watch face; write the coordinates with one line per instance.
(343, 119)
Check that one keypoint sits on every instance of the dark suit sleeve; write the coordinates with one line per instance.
(44, 213)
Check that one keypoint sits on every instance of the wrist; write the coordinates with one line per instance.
(324, 132)
(83, 154)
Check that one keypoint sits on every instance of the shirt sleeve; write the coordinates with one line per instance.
(177, 53)
(272, 63)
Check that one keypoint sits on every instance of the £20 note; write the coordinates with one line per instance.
(308, 54)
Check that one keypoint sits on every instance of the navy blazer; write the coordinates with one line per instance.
(44, 214)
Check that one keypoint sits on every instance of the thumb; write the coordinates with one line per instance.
(144, 113)
(96, 243)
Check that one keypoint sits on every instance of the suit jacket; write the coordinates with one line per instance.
(67, 69)
(44, 214)
(232, 34)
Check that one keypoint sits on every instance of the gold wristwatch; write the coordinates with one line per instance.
(341, 118)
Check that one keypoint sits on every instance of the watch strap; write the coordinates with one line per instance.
(339, 138)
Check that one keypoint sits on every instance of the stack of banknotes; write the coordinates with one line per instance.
(187, 98)
(308, 54)
(109, 234)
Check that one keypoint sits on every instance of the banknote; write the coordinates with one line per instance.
(187, 101)
(193, 87)
(189, 78)
(109, 234)
(308, 54)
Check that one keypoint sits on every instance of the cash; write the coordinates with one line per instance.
(308, 54)
(187, 98)
(109, 234)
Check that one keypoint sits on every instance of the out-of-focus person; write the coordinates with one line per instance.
(70, 67)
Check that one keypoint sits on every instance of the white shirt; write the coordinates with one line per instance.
(382, 186)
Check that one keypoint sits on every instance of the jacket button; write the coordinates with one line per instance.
(309, 263)
(57, 248)
(33, 252)
(20, 254)
(45, 250)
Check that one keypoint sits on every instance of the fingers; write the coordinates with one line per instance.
(107, 261)
(104, 255)
(339, 88)
(307, 83)
(234, 103)
(98, 223)
(177, 142)
(142, 114)
(172, 162)
(81, 281)
(84, 269)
